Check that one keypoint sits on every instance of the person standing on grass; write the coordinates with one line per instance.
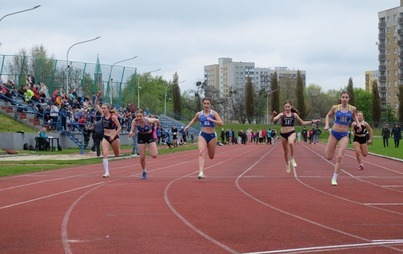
(207, 140)
(386, 135)
(112, 128)
(397, 134)
(360, 141)
(287, 132)
(145, 135)
(344, 113)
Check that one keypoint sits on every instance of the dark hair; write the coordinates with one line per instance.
(206, 99)
(293, 110)
(345, 92)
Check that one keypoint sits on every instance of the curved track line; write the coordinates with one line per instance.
(184, 220)
(291, 214)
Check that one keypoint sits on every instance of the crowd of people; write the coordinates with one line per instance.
(97, 120)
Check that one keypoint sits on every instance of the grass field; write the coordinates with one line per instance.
(23, 166)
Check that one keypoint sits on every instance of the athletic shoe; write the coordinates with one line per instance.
(288, 167)
(334, 181)
(105, 175)
(135, 155)
(294, 164)
(144, 175)
(200, 176)
(361, 167)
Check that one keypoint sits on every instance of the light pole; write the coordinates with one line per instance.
(67, 60)
(30, 9)
(267, 104)
(110, 73)
(166, 88)
(138, 86)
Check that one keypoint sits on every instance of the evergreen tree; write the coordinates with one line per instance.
(176, 96)
(350, 90)
(275, 103)
(376, 104)
(299, 94)
(249, 100)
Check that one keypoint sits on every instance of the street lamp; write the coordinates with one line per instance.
(138, 86)
(267, 104)
(30, 9)
(67, 60)
(110, 73)
(166, 88)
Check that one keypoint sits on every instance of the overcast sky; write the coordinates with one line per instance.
(330, 40)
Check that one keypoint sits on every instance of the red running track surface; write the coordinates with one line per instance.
(246, 204)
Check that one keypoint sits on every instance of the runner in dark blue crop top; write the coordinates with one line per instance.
(112, 128)
(144, 126)
(287, 132)
(344, 114)
(207, 140)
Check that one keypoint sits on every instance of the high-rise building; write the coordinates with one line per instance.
(370, 77)
(228, 75)
(390, 45)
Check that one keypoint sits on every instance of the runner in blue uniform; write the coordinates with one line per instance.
(344, 114)
(207, 140)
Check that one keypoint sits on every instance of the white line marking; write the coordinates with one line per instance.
(333, 247)
(48, 196)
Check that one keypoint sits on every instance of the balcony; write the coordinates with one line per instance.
(400, 21)
(382, 25)
(382, 67)
(382, 57)
(382, 79)
(383, 35)
(381, 46)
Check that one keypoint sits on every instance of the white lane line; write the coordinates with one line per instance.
(49, 196)
(333, 247)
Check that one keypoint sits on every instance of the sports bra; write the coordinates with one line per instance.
(287, 121)
(343, 118)
(146, 128)
(108, 123)
(203, 119)
(363, 129)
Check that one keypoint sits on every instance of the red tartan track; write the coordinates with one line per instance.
(246, 204)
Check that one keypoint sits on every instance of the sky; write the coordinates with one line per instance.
(330, 40)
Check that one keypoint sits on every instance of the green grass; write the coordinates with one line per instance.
(8, 124)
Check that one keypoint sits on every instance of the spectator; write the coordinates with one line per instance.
(397, 134)
(386, 135)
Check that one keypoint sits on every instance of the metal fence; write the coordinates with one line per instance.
(85, 78)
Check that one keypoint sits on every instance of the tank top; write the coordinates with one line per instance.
(343, 118)
(287, 121)
(146, 129)
(203, 119)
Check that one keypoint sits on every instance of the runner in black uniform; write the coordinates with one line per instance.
(362, 138)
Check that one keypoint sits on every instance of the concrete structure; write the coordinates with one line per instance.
(370, 77)
(390, 45)
(227, 75)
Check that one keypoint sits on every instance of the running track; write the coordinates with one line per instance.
(246, 204)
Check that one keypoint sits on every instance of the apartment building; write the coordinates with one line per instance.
(390, 45)
(228, 75)
(370, 77)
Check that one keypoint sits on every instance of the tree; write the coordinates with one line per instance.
(299, 94)
(176, 95)
(249, 100)
(376, 104)
(350, 90)
(275, 103)
(364, 102)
